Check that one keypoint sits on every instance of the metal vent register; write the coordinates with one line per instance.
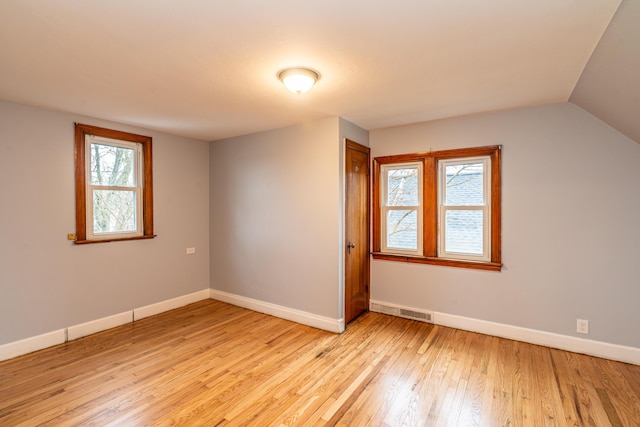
(422, 316)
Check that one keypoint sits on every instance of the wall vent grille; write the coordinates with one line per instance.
(422, 316)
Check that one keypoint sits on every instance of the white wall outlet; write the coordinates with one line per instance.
(582, 326)
(191, 251)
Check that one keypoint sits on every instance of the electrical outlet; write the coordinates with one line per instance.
(582, 326)
(191, 251)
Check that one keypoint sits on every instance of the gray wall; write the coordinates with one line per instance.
(276, 215)
(47, 282)
(570, 225)
(271, 211)
(610, 83)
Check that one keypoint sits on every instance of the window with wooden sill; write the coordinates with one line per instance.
(114, 186)
(441, 208)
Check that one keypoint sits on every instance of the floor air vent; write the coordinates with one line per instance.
(423, 316)
(417, 315)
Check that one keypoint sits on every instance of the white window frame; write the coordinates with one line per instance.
(485, 208)
(137, 188)
(384, 208)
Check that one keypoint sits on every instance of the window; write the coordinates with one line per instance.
(439, 208)
(402, 208)
(114, 190)
(464, 214)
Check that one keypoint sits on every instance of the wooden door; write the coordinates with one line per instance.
(356, 230)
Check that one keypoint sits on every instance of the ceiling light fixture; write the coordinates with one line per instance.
(298, 80)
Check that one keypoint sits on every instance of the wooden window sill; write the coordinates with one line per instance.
(489, 266)
(119, 239)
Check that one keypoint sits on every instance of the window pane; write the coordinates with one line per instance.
(113, 166)
(402, 187)
(402, 229)
(114, 211)
(463, 232)
(464, 185)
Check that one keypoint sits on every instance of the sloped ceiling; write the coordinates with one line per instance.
(207, 69)
(609, 87)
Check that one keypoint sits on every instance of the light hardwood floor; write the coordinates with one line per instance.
(213, 364)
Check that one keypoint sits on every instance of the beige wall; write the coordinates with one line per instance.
(46, 282)
(570, 225)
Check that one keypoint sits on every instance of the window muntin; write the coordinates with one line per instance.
(402, 208)
(477, 246)
(114, 186)
(464, 208)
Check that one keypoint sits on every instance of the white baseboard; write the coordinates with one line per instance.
(83, 329)
(534, 336)
(564, 342)
(549, 339)
(31, 344)
(28, 345)
(298, 316)
(161, 307)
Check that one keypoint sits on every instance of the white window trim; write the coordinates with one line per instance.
(384, 208)
(137, 189)
(485, 208)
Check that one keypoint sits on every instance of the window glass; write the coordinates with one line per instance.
(402, 229)
(112, 165)
(402, 187)
(401, 206)
(114, 190)
(464, 184)
(114, 211)
(465, 232)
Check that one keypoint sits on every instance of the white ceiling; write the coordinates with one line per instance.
(207, 69)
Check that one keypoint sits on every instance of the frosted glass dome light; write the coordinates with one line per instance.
(298, 80)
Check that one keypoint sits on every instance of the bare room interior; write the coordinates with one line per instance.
(263, 276)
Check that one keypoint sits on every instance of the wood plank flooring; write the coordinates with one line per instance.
(213, 364)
